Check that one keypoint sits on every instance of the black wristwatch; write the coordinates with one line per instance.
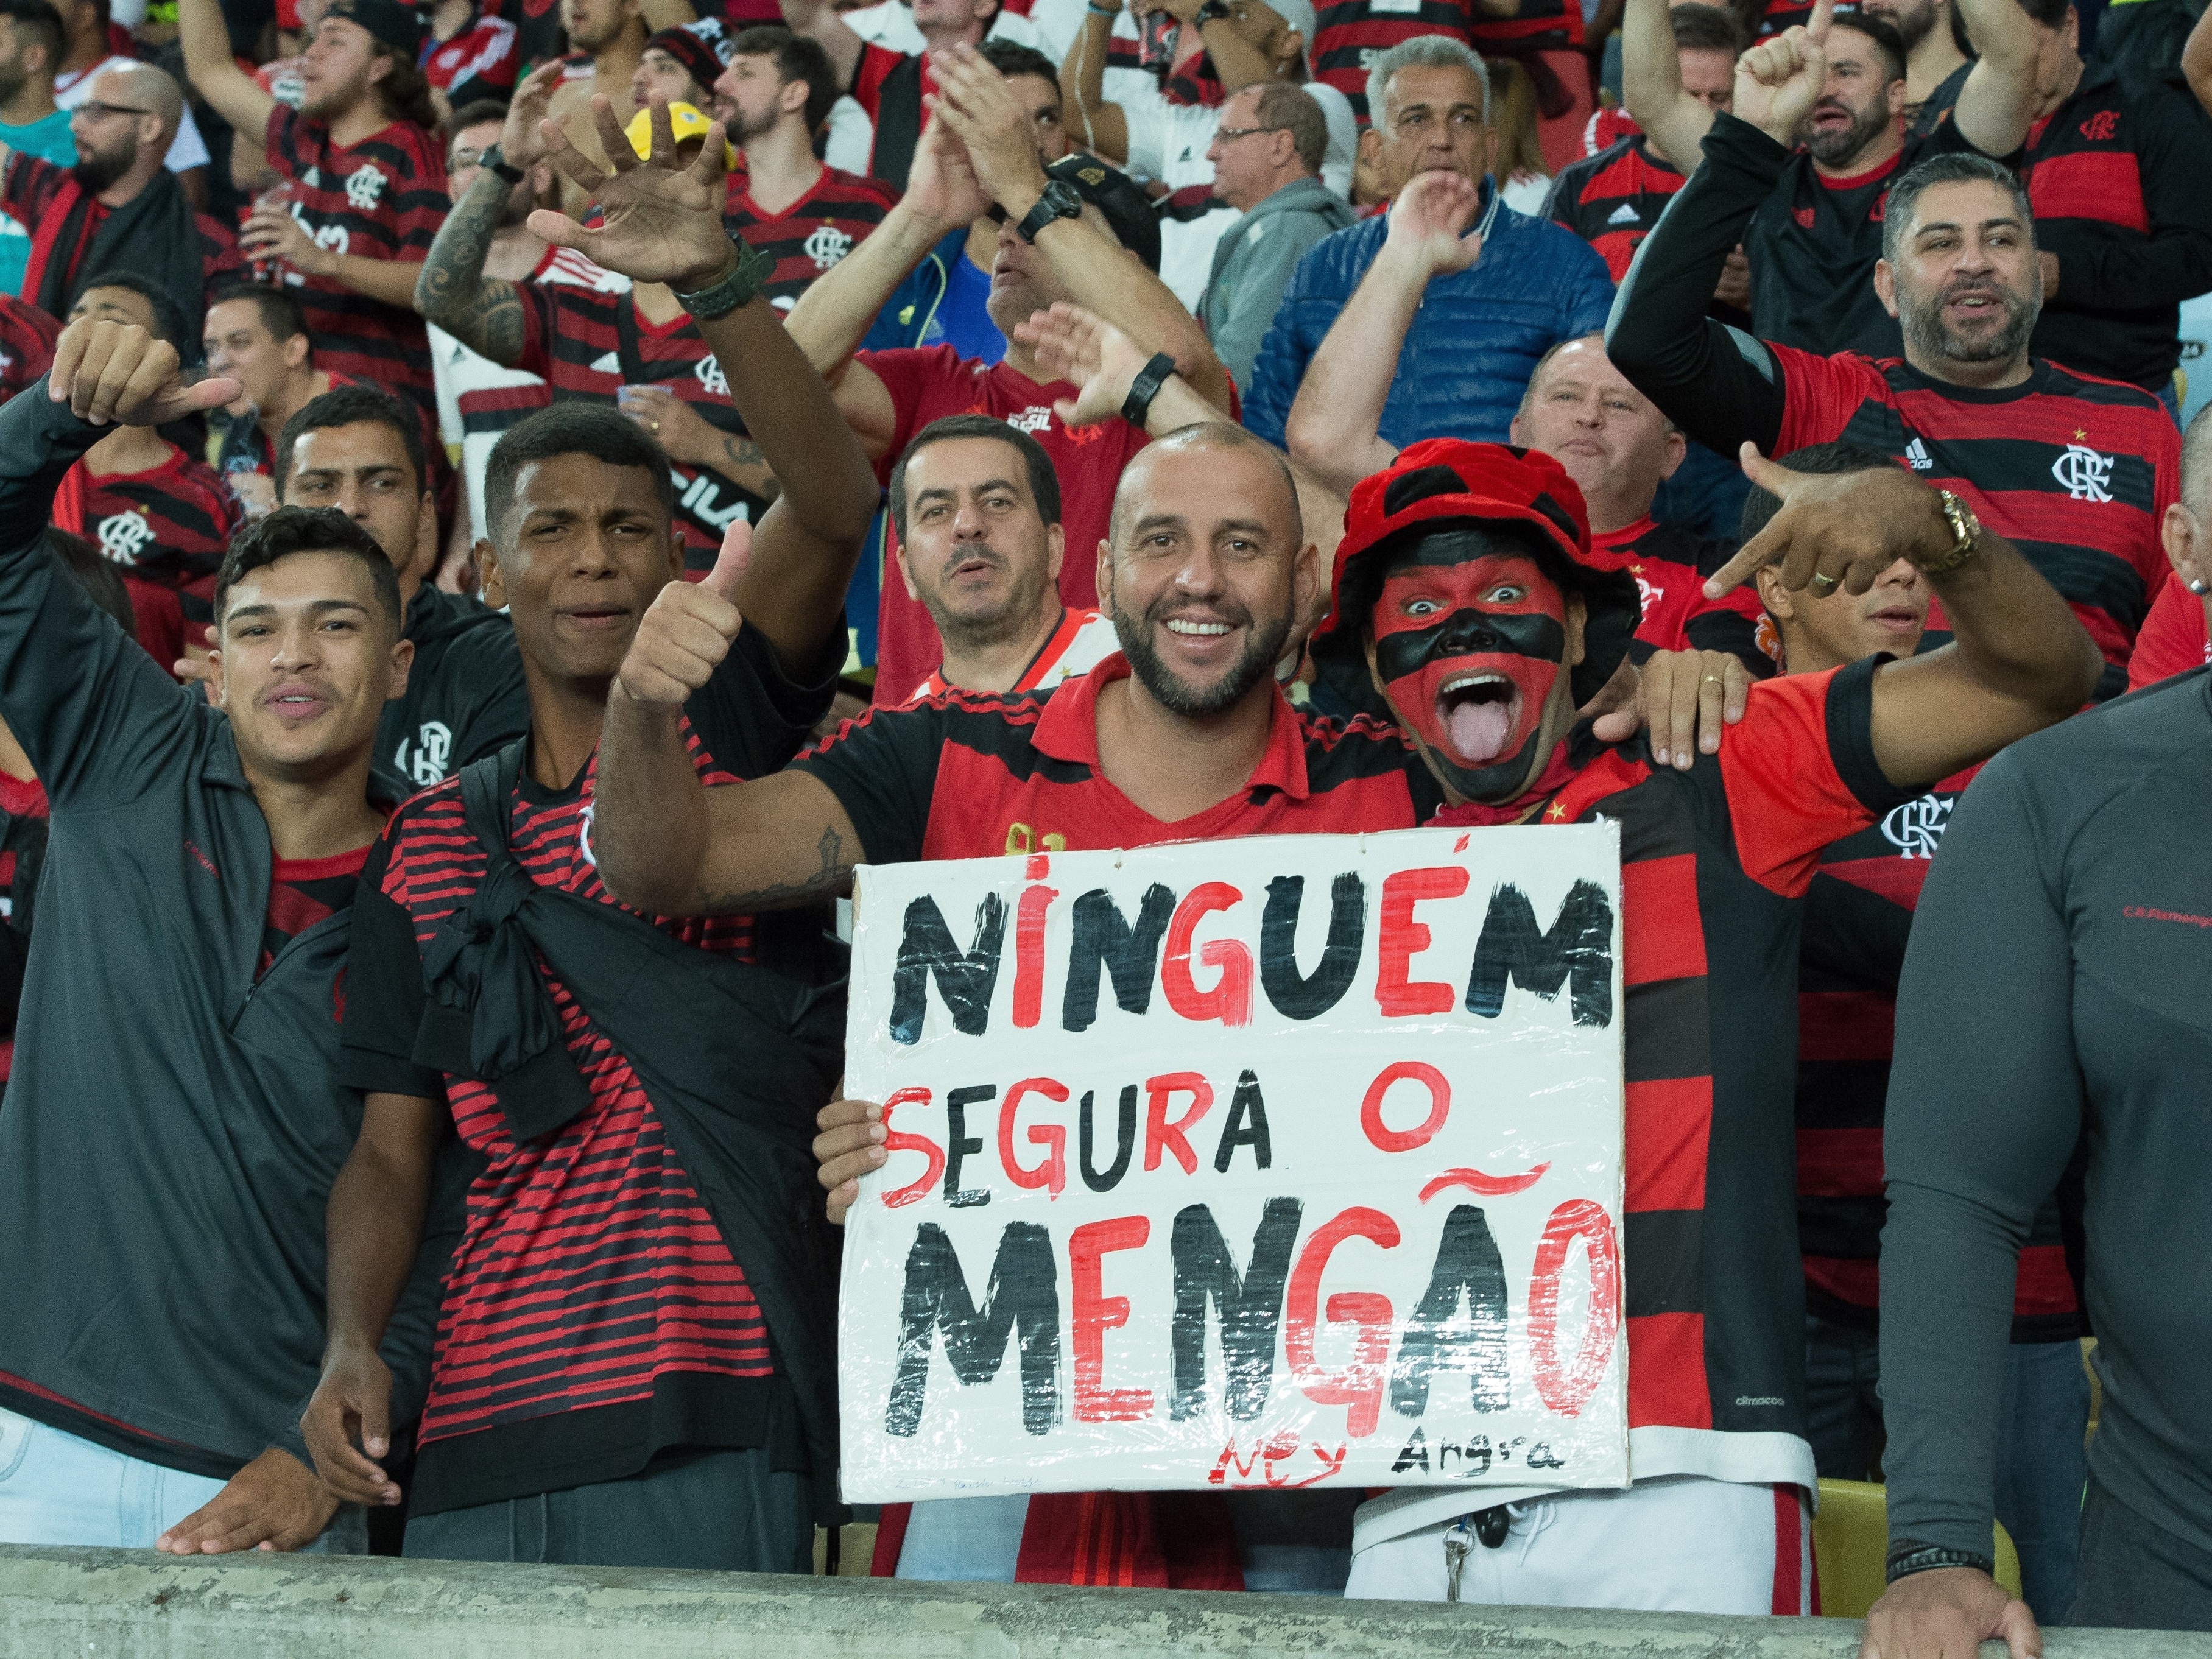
(1061, 200)
(1145, 387)
(1907, 1556)
(496, 164)
(1211, 12)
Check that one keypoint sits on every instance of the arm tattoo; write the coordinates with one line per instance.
(834, 876)
(743, 464)
(451, 292)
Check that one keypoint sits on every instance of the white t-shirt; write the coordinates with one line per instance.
(469, 421)
(187, 150)
(1168, 142)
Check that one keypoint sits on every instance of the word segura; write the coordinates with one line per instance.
(1159, 947)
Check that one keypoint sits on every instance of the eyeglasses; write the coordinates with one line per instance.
(1225, 133)
(93, 110)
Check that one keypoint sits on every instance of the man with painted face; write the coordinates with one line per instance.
(1467, 589)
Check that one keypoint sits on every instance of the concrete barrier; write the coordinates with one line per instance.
(115, 1604)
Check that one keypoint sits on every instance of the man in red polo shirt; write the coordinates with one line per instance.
(1085, 226)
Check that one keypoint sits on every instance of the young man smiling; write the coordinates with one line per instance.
(631, 1365)
(205, 1129)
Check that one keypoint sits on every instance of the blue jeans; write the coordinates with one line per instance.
(2042, 1468)
(1706, 495)
(55, 1488)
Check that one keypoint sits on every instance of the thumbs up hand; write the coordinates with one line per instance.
(689, 629)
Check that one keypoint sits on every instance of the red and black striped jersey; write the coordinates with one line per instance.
(1612, 199)
(24, 813)
(1783, 13)
(538, 35)
(584, 344)
(382, 198)
(2075, 472)
(981, 774)
(1858, 914)
(168, 526)
(1349, 35)
(1714, 864)
(814, 233)
(26, 344)
(593, 1313)
(2116, 177)
(302, 892)
(1536, 26)
(1191, 79)
(1670, 565)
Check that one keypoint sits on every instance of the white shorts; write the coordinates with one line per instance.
(1681, 1544)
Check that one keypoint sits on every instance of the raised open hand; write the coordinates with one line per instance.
(1085, 350)
(519, 144)
(973, 99)
(941, 184)
(1779, 80)
(662, 220)
(1428, 218)
(110, 372)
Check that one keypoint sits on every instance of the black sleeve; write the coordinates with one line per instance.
(883, 769)
(384, 994)
(752, 715)
(1986, 1105)
(1717, 383)
(101, 721)
(2175, 263)
(498, 697)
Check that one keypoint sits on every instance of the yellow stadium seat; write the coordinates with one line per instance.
(1850, 1540)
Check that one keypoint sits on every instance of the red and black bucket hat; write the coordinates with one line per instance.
(1441, 482)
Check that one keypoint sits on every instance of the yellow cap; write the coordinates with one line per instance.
(684, 121)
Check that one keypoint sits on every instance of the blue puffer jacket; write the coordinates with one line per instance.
(1474, 340)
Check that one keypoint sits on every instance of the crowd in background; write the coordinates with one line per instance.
(458, 295)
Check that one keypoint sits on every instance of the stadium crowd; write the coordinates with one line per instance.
(503, 507)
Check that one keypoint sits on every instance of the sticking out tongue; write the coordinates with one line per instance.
(1478, 730)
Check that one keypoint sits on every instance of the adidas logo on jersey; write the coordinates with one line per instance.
(1624, 214)
(1916, 457)
(608, 364)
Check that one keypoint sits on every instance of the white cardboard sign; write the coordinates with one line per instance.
(1255, 1163)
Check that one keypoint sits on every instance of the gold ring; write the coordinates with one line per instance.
(1822, 576)
(656, 428)
(1715, 679)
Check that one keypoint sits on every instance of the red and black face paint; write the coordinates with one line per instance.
(1470, 638)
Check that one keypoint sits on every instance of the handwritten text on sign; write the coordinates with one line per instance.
(1251, 1163)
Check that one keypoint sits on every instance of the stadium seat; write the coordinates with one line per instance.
(1850, 1540)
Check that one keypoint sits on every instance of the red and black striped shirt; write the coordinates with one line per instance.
(814, 233)
(1858, 914)
(26, 344)
(1670, 565)
(591, 1274)
(587, 344)
(2075, 472)
(2118, 178)
(1612, 199)
(1349, 35)
(302, 892)
(168, 526)
(1714, 862)
(382, 198)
